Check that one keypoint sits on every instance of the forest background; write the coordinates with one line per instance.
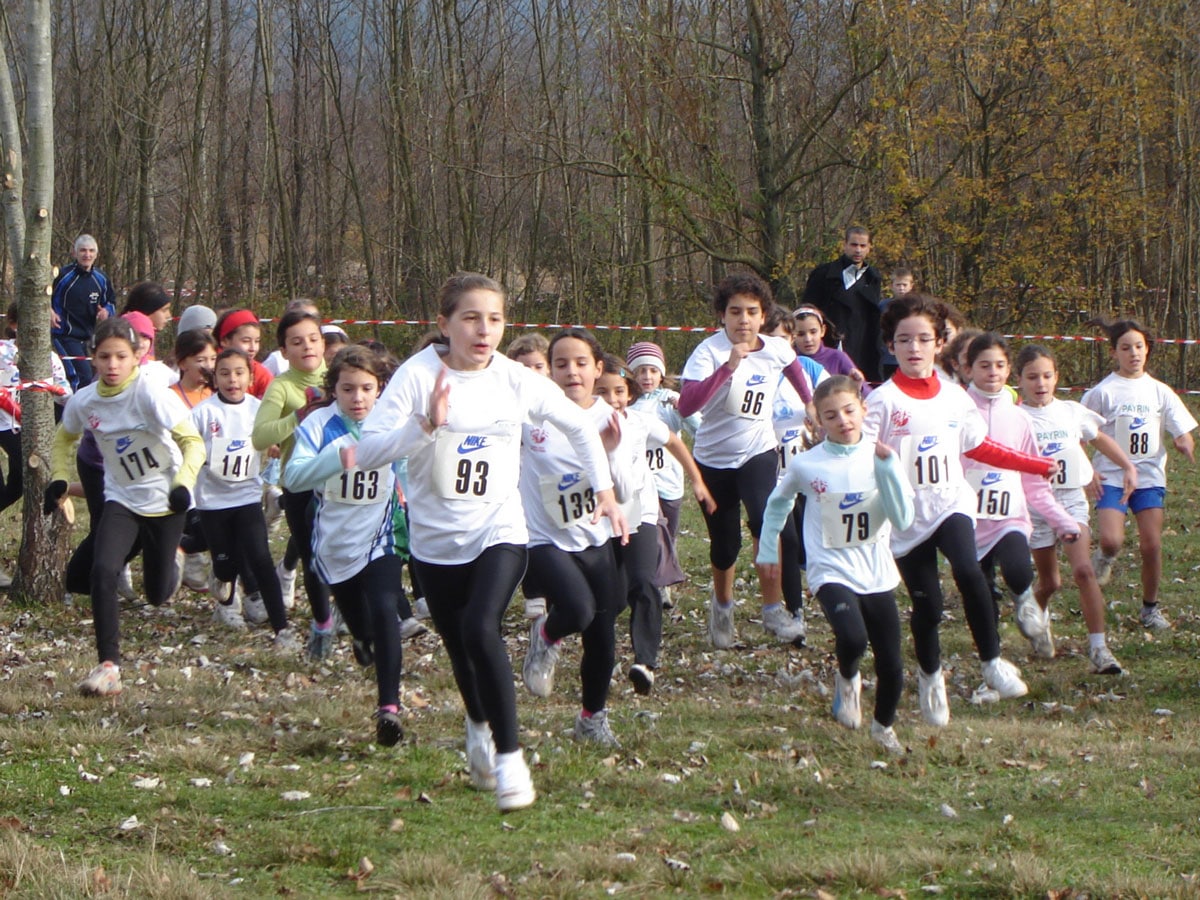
(1034, 161)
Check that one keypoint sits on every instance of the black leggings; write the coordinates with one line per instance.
(237, 540)
(14, 485)
(119, 529)
(299, 510)
(749, 486)
(955, 538)
(467, 602)
(79, 566)
(1012, 555)
(584, 592)
(637, 561)
(368, 602)
(857, 619)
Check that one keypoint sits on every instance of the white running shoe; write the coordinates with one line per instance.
(1043, 644)
(886, 738)
(1152, 618)
(540, 660)
(931, 692)
(420, 608)
(847, 700)
(481, 755)
(514, 785)
(1103, 566)
(125, 584)
(1103, 662)
(642, 678)
(721, 631)
(102, 681)
(254, 610)
(285, 641)
(1004, 678)
(534, 607)
(781, 623)
(273, 505)
(229, 615)
(195, 571)
(1030, 621)
(594, 729)
(177, 575)
(287, 585)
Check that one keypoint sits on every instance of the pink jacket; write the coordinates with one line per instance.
(1000, 515)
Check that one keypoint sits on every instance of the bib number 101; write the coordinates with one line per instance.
(932, 469)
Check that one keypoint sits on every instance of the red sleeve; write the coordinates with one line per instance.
(993, 453)
(10, 405)
(694, 394)
(262, 379)
(799, 378)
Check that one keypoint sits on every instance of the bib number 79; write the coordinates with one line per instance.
(858, 526)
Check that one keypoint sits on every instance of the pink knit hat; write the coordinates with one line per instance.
(646, 353)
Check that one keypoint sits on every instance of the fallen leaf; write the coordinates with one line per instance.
(729, 823)
(291, 796)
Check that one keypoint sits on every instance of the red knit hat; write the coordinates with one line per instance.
(646, 353)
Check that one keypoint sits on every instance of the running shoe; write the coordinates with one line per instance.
(389, 730)
(1004, 678)
(125, 584)
(847, 700)
(642, 678)
(594, 729)
(411, 628)
(254, 610)
(285, 641)
(229, 615)
(781, 623)
(514, 785)
(364, 653)
(320, 643)
(287, 584)
(1030, 621)
(195, 571)
(102, 681)
(540, 660)
(886, 738)
(1043, 644)
(721, 631)
(931, 691)
(481, 755)
(1152, 618)
(421, 608)
(1103, 662)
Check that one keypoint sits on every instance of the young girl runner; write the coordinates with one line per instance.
(1137, 411)
(1060, 427)
(195, 356)
(152, 453)
(932, 425)
(228, 497)
(456, 411)
(1004, 498)
(642, 436)
(808, 337)
(732, 377)
(855, 492)
(571, 555)
(360, 540)
(287, 401)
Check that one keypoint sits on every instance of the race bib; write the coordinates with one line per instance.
(135, 457)
(930, 462)
(357, 487)
(850, 519)
(750, 395)
(791, 443)
(994, 491)
(1068, 457)
(233, 460)
(1139, 436)
(479, 467)
(567, 498)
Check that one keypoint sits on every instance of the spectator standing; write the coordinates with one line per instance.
(847, 291)
(82, 296)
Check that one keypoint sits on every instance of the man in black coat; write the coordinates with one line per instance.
(848, 292)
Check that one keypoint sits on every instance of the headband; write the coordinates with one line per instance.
(236, 320)
(805, 311)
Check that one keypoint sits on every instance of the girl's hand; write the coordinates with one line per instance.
(858, 376)
(671, 399)
(1069, 537)
(607, 507)
(610, 435)
(349, 456)
(703, 497)
(273, 452)
(882, 450)
(737, 353)
(1186, 445)
(1131, 483)
(439, 401)
(1094, 489)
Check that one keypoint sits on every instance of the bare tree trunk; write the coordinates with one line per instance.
(43, 538)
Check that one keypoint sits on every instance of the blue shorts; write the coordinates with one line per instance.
(1142, 498)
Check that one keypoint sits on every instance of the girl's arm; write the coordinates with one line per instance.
(693, 395)
(678, 449)
(311, 466)
(62, 452)
(1186, 445)
(795, 374)
(894, 489)
(191, 445)
(399, 425)
(779, 505)
(274, 423)
(993, 453)
(1113, 451)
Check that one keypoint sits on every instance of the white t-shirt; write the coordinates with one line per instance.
(10, 377)
(557, 493)
(1137, 412)
(930, 436)
(668, 473)
(737, 418)
(462, 480)
(133, 432)
(230, 476)
(644, 435)
(1060, 428)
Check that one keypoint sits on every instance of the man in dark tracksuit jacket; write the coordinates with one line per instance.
(848, 291)
(82, 296)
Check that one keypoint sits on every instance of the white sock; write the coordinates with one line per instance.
(1096, 640)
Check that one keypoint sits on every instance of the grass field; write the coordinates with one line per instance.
(733, 780)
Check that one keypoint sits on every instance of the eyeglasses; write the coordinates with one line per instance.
(923, 339)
